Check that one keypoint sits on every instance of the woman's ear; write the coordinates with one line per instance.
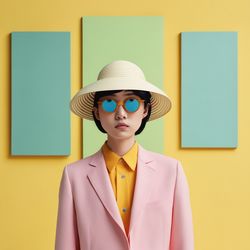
(145, 113)
(96, 113)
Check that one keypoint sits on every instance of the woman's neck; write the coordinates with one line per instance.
(120, 147)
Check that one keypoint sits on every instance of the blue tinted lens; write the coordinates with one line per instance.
(109, 105)
(132, 104)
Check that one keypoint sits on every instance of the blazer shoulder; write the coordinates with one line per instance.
(162, 160)
(162, 157)
(81, 164)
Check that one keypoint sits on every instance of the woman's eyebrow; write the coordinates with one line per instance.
(126, 93)
(114, 94)
(131, 93)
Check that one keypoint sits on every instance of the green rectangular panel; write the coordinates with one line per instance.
(209, 89)
(138, 39)
(40, 91)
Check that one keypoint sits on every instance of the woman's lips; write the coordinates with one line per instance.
(123, 125)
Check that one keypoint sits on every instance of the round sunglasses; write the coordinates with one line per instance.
(130, 104)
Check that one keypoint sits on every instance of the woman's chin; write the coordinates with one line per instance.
(122, 135)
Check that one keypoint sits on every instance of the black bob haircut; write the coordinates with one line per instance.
(144, 95)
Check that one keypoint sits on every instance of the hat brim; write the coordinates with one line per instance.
(82, 103)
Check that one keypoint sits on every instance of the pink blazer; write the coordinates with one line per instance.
(88, 216)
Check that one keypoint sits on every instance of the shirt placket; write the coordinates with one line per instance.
(122, 190)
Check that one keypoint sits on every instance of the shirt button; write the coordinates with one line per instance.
(124, 209)
(123, 176)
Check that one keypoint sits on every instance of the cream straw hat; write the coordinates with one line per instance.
(119, 75)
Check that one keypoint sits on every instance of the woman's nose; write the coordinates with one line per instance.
(120, 112)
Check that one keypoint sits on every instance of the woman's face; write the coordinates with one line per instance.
(112, 122)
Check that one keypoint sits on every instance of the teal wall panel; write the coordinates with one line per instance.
(209, 89)
(40, 93)
(138, 39)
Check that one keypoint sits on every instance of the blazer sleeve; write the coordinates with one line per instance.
(182, 237)
(66, 228)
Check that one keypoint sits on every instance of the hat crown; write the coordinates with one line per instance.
(121, 68)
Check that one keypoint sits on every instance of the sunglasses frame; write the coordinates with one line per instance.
(121, 103)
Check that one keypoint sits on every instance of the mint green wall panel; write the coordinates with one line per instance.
(40, 93)
(138, 39)
(209, 108)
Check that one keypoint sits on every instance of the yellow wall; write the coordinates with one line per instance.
(219, 179)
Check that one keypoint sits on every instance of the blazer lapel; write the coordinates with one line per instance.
(145, 182)
(100, 181)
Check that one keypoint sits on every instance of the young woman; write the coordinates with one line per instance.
(123, 197)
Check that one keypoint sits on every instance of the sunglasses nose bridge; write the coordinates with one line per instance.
(120, 104)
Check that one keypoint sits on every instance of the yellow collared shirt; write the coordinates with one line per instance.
(122, 174)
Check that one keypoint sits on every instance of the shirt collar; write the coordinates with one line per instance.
(111, 158)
